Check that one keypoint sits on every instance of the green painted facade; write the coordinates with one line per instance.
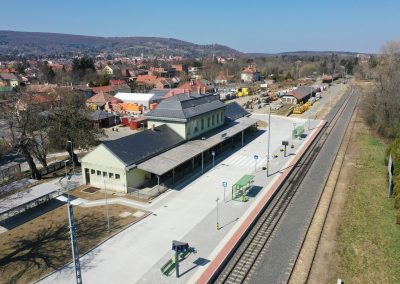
(193, 127)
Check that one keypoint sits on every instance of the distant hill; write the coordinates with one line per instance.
(54, 44)
(304, 53)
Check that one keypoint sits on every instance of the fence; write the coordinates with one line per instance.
(54, 167)
(10, 172)
(147, 193)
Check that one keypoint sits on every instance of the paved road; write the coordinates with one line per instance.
(282, 249)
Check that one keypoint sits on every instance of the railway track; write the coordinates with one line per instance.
(245, 258)
(350, 127)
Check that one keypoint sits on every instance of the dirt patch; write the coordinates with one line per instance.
(36, 248)
(97, 194)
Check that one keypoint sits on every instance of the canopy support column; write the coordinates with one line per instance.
(202, 163)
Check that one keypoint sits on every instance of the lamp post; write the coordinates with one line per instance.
(66, 172)
(217, 213)
(269, 139)
(213, 156)
(72, 157)
(108, 217)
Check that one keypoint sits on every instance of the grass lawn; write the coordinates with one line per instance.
(368, 239)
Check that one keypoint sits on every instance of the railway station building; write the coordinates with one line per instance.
(184, 133)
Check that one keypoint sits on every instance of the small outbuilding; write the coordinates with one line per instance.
(101, 119)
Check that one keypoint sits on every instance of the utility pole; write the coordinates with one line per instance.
(108, 217)
(269, 139)
(74, 245)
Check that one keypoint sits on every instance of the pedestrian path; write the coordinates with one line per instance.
(246, 161)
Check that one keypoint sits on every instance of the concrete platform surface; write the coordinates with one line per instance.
(188, 214)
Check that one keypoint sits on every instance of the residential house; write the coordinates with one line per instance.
(112, 70)
(250, 74)
(201, 86)
(10, 78)
(112, 89)
(101, 101)
(41, 102)
(221, 79)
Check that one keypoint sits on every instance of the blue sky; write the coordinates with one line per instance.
(247, 25)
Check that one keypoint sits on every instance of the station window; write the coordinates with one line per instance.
(217, 118)
(110, 175)
(104, 174)
(202, 123)
(92, 171)
(213, 119)
(99, 173)
(208, 121)
(222, 117)
(117, 176)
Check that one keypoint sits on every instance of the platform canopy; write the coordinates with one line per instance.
(244, 181)
(169, 160)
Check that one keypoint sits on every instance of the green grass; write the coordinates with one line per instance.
(368, 240)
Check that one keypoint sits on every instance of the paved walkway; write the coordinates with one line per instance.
(188, 214)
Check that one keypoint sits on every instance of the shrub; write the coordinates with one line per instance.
(397, 201)
(398, 217)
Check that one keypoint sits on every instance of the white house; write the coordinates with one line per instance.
(144, 99)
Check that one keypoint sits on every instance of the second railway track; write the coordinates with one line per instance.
(243, 261)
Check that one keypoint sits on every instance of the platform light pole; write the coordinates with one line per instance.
(74, 243)
(66, 172)
(72, 157)
(108, 217)
(269, 139)
(217, 214)
(213, 156)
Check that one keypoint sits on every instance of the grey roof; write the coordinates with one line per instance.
(141, 146)
(185, 106)
(8, 76)
(159, 93)
(172, 158)
(207, 83)
(99, 115)
(234, 111)
(302, 92)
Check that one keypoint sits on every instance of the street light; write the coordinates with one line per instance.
(66, 173)
(269, 139)
(72, 157)
(108, 217)
(213, 155)
(218, 227)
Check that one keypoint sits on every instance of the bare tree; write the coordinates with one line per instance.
(382, 102)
